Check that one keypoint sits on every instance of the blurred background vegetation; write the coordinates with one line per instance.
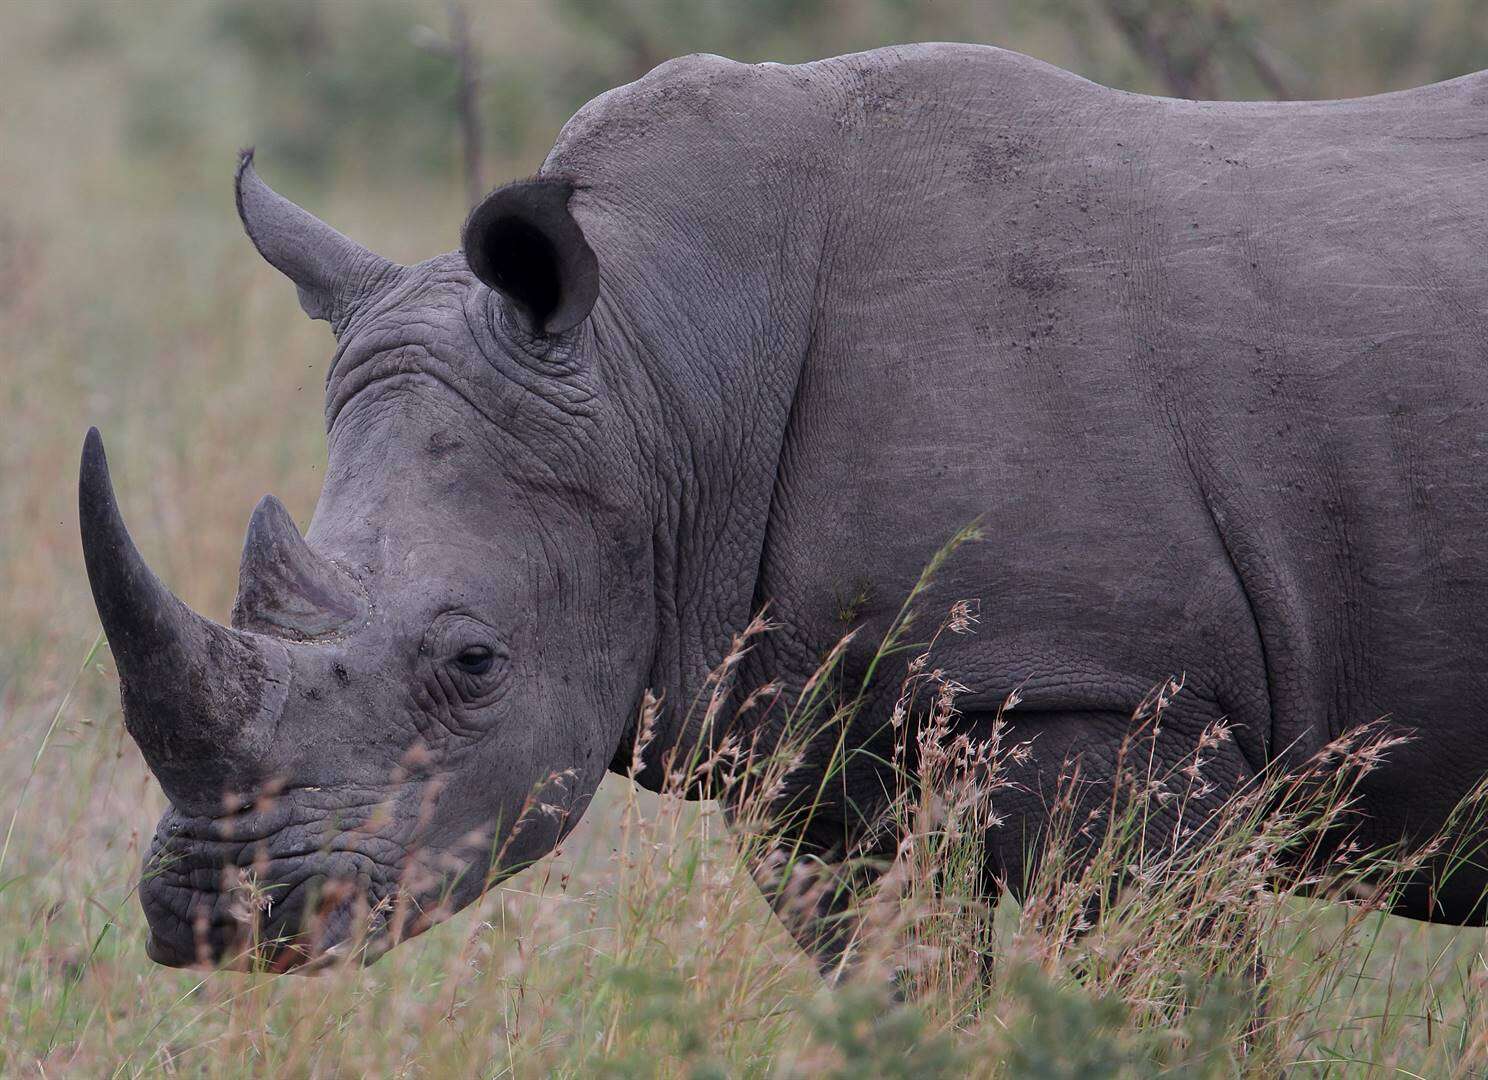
(325, 84)
(130, 299)
(322, 84)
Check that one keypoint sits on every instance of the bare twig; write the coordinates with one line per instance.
(460, 49)
(1187, 72)
(1257, 54)
(467, 98)
(1182, 44)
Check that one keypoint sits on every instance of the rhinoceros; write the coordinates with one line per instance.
(1212, 376)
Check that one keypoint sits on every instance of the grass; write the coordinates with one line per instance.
(129, 299)
(644, 947)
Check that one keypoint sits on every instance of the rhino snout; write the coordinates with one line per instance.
(269, 888)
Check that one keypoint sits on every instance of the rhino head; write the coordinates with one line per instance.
(421, 694)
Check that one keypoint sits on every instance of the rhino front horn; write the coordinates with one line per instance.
(199, 699)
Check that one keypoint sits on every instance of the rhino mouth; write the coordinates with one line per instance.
(276, 887)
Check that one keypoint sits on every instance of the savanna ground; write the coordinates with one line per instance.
(129, 299)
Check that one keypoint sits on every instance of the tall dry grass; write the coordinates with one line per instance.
(653, 954)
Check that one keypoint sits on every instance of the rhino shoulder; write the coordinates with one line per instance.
(698, 92)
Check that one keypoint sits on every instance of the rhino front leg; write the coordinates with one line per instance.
(817, 895)
(1169, 790)
(847, 911)
(1083, 767)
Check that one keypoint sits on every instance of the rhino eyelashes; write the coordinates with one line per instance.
(284, 587)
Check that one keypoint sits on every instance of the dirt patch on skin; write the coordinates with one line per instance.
(1037, 276)
(1001, 160)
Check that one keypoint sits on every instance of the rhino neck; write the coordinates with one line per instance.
(706, 319)
(720, 404)
(703, 189)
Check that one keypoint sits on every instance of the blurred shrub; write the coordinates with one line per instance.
(616, 40)
(83, 29)
(332, 78)
(317, 81)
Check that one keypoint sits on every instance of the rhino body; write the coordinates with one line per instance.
(1210, 375)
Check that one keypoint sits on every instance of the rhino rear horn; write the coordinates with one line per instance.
(201, 700)
(333, 274)
(284, 587)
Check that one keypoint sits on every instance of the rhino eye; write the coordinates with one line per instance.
(476, 660)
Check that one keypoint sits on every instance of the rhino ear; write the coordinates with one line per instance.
(332, 273)
(522, 241)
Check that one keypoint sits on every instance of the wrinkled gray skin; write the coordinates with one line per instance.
(1210, 374)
